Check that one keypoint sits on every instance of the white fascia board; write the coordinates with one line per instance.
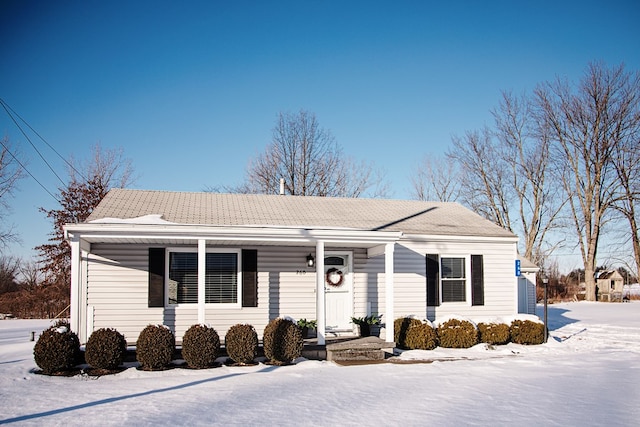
(449, 238)
(106, 232)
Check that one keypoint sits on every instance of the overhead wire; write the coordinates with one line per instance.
(8, 111)
(8, 108)
(27, 171)
(12, 115)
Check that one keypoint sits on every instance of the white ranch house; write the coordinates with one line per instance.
(179, 258)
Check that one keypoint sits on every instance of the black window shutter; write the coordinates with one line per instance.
(249, 278)
(433, 280)
(156, 277)
(477, 280)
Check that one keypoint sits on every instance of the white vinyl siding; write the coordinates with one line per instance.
(500, 283)
(118, 292)
(292, 285)
(117, 288)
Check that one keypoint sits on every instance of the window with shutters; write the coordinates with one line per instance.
(221, 277)
(453, 278)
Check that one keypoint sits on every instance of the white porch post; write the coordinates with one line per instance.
(320, 311)
(202, 271)
(74, 300)
(388, 279)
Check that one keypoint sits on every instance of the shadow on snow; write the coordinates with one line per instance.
(128, 396)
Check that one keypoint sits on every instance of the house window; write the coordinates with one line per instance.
(453, 279)
(221, 278)
(183, 277)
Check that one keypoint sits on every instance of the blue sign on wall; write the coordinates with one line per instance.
(518, 268)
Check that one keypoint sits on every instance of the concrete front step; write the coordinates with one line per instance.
(366, 348)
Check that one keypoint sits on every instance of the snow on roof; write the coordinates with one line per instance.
(407, 216)
(145, 219)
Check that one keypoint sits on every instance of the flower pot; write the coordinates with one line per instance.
(365, 330)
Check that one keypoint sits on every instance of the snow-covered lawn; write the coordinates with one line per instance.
(587, 374)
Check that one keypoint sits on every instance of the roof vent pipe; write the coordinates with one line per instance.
(282, 186)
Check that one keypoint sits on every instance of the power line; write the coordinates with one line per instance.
(8, 111)
(28, 172)
(8, 107)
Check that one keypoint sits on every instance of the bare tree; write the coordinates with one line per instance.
(485, 182)
(9, 268)
(88, 184)
(627, 165)
(524, 147)
(504, 175)
(109, 167)
(590, 124)
(436, 178)
(31, 275)
(310, 161)
(10, 174)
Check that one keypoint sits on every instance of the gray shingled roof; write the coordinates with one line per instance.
(407, 216)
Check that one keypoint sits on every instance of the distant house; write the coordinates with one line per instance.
(178, 259)
(610, 284)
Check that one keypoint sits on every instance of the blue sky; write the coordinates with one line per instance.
(190, 90)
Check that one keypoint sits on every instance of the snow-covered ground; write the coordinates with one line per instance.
(587, 374)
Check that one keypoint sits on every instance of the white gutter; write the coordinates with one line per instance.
(105, 232)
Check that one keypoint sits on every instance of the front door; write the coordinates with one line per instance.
(338, 287)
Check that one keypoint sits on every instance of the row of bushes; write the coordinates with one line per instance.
(58, 348)
(413, 334)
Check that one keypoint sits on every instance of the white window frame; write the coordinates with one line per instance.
(238, 252)
(467, 279)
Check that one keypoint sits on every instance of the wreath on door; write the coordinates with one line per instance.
(334, 277)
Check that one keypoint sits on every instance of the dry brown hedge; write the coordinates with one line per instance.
(282, 341)
(494, 333)
(241, 343)
(456, 333)
(200, 346)
(57, 349)
(105, 349)
(154, 348)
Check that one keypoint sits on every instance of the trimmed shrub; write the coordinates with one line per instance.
(154, 348)
(421, 337)
(200, 346)
(527, 332)
(456, 333)
(400, 328)
(282, 341)
(241, 343)
(105, 349)
(494, 333)
(57, 349)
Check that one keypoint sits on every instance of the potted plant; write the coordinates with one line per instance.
(306, 325)
(365, 323)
